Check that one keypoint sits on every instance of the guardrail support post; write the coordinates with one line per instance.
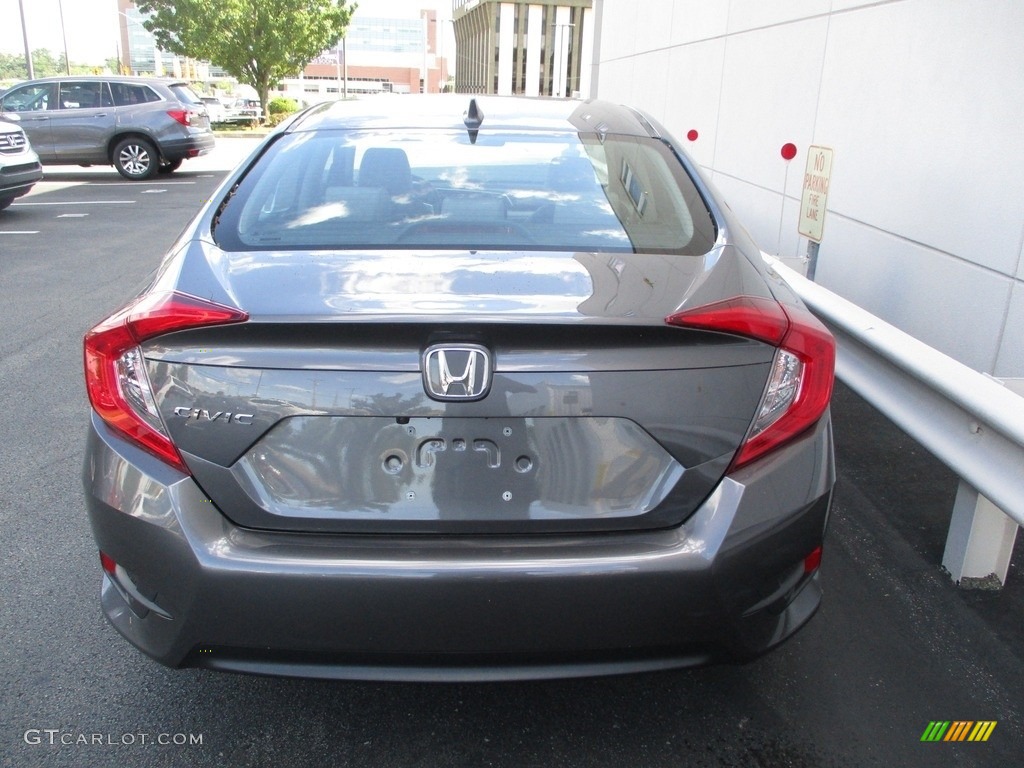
(979, 543)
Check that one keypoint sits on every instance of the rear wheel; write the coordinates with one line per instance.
(135, 159)
(170, 167)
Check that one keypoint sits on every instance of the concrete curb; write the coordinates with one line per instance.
(255, 133)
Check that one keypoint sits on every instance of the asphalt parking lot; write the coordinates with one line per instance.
(894, 647)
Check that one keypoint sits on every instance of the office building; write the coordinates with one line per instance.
(539, 48)
(140, 54)
(384, 55)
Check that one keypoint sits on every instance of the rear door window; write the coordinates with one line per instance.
(87, 94)
(126, 94)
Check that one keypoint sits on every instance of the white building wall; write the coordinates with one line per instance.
(923, 104)
(534, 42)
(506, 46)
(586, 51)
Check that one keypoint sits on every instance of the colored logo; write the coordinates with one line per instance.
(958, 730)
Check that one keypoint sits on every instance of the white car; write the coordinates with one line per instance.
(19, 164)
(245, 111)
(215, 108)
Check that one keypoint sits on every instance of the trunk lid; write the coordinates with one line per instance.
(316, 414)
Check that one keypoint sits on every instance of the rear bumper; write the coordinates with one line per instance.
(17, 179)
(728, 584)
(193, 145)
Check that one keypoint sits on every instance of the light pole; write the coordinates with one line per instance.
(24, 35)
(341, 61)
(64, 35)
(426, 38)
(443, 52)
(561, 69)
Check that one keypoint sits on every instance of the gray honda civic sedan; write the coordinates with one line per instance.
(462, 389)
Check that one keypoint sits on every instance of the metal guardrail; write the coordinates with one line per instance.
(969, 421)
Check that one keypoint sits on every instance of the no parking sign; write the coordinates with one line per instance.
(815, 192)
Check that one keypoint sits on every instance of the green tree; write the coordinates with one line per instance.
(45, 64)
(12, 66)
(257, 41)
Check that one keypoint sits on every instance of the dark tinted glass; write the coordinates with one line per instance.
(31, 98)
(126, 94)
(185, 95)
(87, 94)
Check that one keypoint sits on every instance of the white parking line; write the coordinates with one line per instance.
(82, 202)
(152, 191)
(137, 183)
(20, 232)
(72, 215)
(53, 186)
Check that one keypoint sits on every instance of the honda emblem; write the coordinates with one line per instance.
(457, 371)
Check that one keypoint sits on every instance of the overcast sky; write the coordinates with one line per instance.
(92, 29)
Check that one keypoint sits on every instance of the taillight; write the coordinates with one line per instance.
(800, 380)
(183, 116)
(115, 372)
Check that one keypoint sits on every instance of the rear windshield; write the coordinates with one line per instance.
(436, 189)
(184, 94)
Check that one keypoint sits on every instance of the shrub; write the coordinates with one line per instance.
(281, 105)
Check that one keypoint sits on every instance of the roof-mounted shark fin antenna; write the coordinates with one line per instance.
(473, 120)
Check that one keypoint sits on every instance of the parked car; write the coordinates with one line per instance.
(141, 126)
(215, 108)
(440, 388)
(245, 111)
(19, 165)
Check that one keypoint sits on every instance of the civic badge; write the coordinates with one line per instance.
(457, 371)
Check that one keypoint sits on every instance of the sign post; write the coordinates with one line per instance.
(814, 201)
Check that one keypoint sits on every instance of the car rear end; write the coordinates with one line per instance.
(414, 403)
(181, 125)
(215, 109)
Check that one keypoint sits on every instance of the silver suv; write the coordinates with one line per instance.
(19, 165)
(141, 126)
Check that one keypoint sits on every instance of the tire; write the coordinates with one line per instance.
(5, 201)
(170, 167)
(136, 159)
